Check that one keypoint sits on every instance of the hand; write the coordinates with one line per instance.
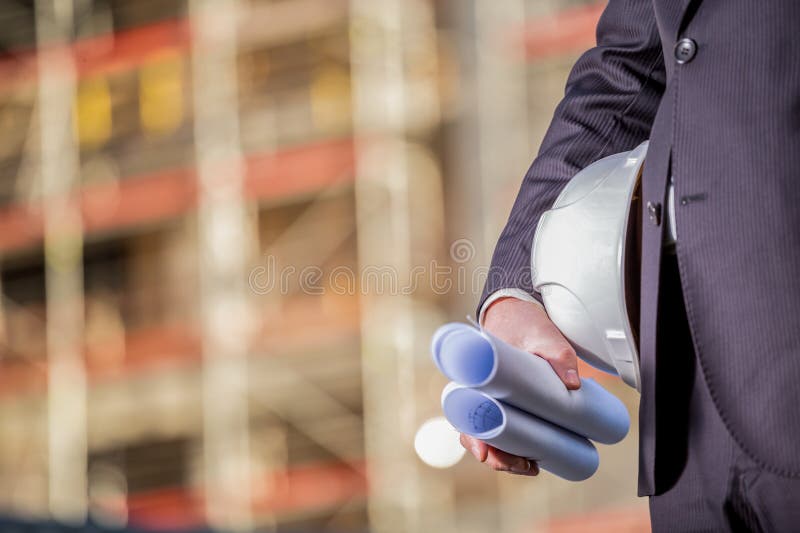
(524, 325)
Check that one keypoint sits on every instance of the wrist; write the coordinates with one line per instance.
(508, 306)
(505, 293)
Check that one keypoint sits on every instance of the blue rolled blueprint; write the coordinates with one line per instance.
(476, 359)
(507, 428)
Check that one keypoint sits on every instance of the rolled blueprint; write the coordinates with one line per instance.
(507, 428)
(479, 360)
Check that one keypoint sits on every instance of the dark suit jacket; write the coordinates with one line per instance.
(727, 126)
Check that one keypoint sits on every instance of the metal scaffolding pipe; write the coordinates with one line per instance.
(63, 244)
(225, 246)
(394, 107)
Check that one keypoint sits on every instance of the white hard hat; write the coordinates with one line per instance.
(585, 263)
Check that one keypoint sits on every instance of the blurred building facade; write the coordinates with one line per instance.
(211, 217)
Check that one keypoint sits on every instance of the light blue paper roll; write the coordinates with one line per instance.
(507, 428)
(479, 360)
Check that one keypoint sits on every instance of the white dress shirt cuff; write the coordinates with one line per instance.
(519, 294)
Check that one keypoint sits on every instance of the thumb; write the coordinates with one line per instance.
(564, 362)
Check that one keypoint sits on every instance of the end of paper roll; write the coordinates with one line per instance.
(472, 413)
(448, 389)
(438, 337)
(464, 355)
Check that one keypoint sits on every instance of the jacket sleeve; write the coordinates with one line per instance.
(609, 105)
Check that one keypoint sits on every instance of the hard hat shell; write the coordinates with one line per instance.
(578, 262)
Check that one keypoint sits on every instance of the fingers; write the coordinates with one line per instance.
(505, 462)
(497, 459)
(564, 362)
(477, 448)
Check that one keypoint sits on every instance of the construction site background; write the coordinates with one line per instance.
(228, 230)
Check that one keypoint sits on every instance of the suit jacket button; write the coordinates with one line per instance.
(654, 213)
(685, 50)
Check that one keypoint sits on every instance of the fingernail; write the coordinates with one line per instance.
(572, 378)
(522, 467)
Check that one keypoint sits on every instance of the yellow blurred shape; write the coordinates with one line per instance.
(330, 98)
(161, 94)
(92, 111)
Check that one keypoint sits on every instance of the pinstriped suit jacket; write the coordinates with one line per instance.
(728, 124)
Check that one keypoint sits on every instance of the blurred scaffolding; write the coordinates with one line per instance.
(209, 212)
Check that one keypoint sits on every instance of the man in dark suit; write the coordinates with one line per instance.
(715, 86)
